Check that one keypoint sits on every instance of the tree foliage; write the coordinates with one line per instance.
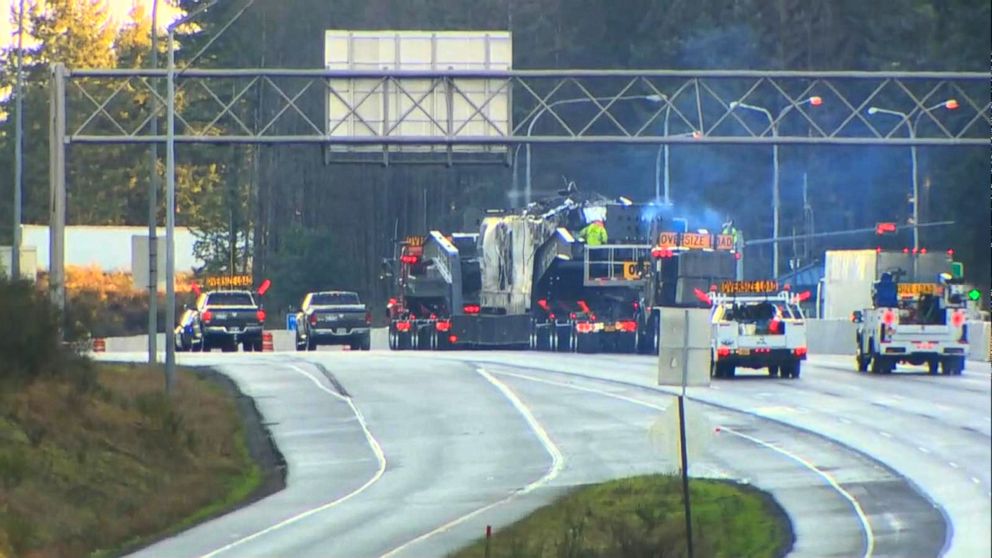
(251, 205)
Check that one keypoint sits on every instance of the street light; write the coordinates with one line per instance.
(530, 127)
(949, 104)
(776, 204)
(663, 149)
(170, 197)
(170, 184)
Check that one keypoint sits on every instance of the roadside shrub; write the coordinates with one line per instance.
(30, 338)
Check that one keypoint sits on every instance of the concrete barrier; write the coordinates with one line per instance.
(979, 341)
(831, 337)
(837, 337)
(282, 340)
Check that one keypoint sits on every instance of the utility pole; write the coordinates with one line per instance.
(15, 251)
(153, 205)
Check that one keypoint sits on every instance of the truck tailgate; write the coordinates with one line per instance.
(229, 316)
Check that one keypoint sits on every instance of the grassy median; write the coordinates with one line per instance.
(642, 517)
(101, 459)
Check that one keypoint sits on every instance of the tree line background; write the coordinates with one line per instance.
(283, 214)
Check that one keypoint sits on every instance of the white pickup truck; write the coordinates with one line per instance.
(926, 325)
(757, 331)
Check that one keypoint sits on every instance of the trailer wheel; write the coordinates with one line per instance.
(933, 366)
(773, 371)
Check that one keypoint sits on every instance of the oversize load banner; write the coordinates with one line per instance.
(696, 241)
(217, 282)
(757, 287)
(920, 289)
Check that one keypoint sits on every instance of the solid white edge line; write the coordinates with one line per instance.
(373, 443)
(557, 464)
(862, 518)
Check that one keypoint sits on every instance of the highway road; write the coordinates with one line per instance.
(413, 454)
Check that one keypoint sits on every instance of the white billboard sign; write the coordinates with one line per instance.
(370, 107)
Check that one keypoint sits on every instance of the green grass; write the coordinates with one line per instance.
(84, 471)
(642, 517)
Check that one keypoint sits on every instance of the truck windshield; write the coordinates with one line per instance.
(332, 299)
(230, 299)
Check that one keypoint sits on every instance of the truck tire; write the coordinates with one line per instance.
(300, 344)
(311, 344)
(773, 371)
(791, 370)
(247, 346)
(862, 361)
(933, 366)
(881, 365)
(952, 366)
(724, 370)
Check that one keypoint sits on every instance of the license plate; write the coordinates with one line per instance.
(609, 328)
(744, 352)
(221, 315)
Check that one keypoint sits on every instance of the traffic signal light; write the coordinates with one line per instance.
(885, 228)
(975, 295)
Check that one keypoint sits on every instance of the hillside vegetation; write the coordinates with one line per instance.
(96, 456)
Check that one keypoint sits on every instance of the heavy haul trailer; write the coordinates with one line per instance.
(526, 281)
(523, 275)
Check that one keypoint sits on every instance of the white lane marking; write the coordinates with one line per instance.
(923, 449)
(373, 443)
(976, 480)
(844, 420)
(557, 464)
(953, 464)
(885, 434)
(865, 524)
(862, 518)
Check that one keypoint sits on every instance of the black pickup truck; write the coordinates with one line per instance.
(332, 318)
(222, 319)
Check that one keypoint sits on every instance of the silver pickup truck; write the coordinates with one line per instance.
(332, 318)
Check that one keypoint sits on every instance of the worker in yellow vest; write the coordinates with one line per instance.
(594, 233)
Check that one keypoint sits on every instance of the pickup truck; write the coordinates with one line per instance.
(223, 319)
(926, 324)
(758, 332)
(332, 318)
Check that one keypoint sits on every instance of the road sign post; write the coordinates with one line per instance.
(684, 360)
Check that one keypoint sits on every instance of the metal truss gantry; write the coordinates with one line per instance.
(581, 106)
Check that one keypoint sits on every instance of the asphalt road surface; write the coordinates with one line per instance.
(413, 454)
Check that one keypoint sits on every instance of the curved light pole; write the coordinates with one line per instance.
(530, 127)
(949, 104)
(776, 202)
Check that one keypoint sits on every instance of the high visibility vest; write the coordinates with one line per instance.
(594, 234)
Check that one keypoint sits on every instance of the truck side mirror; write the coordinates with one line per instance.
(856, 317)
